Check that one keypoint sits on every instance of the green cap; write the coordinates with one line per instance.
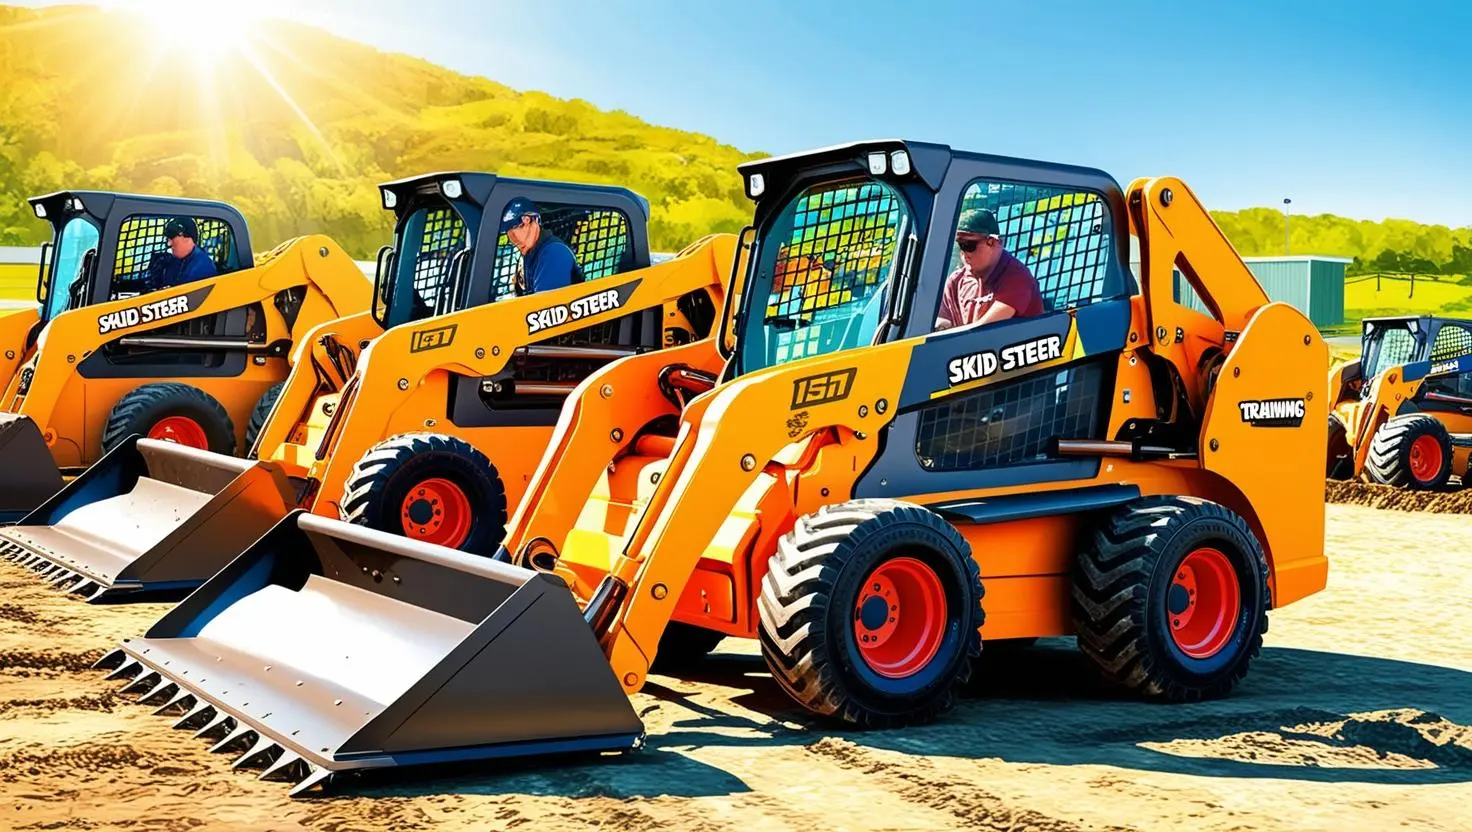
(979, 221)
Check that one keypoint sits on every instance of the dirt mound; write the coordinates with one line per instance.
(1399, 499)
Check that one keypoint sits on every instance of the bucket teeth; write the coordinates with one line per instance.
(288, 767)
(261, 755)
(60, 581)
(165, 688)
(128, 670)
(86, 587)
(183, 699)
(144, 682)
(111, 661)
(98, 593)
(221, 723)
(200, 714)
(240, 734)
(318, 775)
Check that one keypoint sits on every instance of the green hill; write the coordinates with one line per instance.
(87, 99)
(297, 130)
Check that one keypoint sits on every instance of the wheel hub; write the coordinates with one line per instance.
(1203, 603)
(1426, 458)
(900, 617)
(437, 511)
(181, 430)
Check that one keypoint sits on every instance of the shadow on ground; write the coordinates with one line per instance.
(1301, 715)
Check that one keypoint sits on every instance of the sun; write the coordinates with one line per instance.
(216, 29)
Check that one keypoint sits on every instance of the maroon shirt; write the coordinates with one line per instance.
(966, 298)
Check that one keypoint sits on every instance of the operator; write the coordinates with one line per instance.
(184, 261)
(991, 285)
(546, 261)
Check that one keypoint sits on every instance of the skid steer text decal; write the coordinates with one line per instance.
(146, 314)
(432, 339)
(979, 365)
(1273, 413)
(822, 389)
(575, 310)
(1453, 366)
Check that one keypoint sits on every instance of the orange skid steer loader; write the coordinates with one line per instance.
(423, 416)
(1402, 411)
(104, 357)
(865, 495)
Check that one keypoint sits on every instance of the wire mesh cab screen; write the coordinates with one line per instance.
(1062, 236)
(1452, 342)
(1392, 345)
(600, 238)
(822, 273)
(141, 247)
(421, 282)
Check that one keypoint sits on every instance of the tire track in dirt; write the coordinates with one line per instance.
(13, 708)
(21, 661)
(87, 758)
(975, 808)
(18, 614)
(1398, 499)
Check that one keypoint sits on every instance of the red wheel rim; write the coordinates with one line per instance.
(436, 511)
(1426, 458)
(180, 429)
(1204, 603)
(900, 617)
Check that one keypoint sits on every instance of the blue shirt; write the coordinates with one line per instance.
(169, 270)
(550, 264)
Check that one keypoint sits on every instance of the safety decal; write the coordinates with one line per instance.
(979, 365)
(147, 313)
(1273, 413)
(432, 339)
(797, 424)
(811, 391)
(1446, 367)
(586, 306)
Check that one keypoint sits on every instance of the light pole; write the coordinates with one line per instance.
(1286, 211)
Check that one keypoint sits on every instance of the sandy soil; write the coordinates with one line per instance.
(1356, 716)
(1453, 499)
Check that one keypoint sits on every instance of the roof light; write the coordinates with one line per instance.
(756, 184)
(878, 164)
(390, 199)
(41, 211)
(900, 161)
(451, 188)
(76, 204)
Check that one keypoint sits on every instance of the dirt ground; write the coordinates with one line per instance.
(1356, 716)
(1453, 499)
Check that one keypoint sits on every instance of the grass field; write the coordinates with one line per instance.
(17, 282)
(1448, 296)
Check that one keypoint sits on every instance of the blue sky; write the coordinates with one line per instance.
(1359, 109)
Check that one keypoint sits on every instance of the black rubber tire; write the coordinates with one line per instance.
(375, 490)
(144, 406)
(262, 412)
(683, 645)
(1120, 589)
(806, 612)
(1389, 462)
(1340, 462)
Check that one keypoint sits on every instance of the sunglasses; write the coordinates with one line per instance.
(969, 245)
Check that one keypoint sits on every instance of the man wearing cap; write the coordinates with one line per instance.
(184, 262)
(546, 261)
(991, 284)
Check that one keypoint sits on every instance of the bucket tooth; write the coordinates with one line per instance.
(127, 671)
(60, 581)
(183, 699)
(261, 755)
(289, 767)
(100, 591)
(111, 661)
(241, 734)
(164, 689)
(144, 682)
(318, 776)
(222, 723)
(86, 587)
(200, 714)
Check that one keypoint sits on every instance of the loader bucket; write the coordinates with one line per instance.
(150, 518)
(28, 474)
(329, 648)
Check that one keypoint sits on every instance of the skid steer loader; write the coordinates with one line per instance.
(105, 359)
(1402, 412)
(423, 416)
(863, 494)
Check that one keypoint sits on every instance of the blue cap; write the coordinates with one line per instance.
(515, 210)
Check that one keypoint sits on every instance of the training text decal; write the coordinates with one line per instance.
(979, 365)
(605, 301)
(1273, 413)
(146, 314)
(1445, 367)
(811, 391)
